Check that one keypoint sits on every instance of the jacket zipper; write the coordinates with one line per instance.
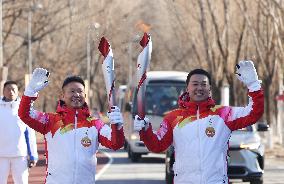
(199, 139)
(75, 147)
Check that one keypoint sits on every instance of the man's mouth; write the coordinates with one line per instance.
(199, 94)
(76, 100)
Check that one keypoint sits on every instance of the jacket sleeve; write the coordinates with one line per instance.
(111, 137)
(241, 117)
(34, 119)
(157, 141)
(31, 143)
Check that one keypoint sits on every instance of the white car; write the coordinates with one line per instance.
(246, 155)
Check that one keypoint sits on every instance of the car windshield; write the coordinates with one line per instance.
(161, 97)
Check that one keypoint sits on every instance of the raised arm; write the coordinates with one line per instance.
(155, 141)
(36, 120)
(241, 117)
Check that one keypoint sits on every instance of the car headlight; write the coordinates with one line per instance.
(250, 146)
(134, 136)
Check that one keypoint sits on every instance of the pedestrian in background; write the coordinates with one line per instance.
(18, 149)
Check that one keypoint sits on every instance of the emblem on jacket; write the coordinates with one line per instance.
(86, 141)
(210, 131)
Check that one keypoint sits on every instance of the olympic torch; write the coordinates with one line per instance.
(108, 71)
(143, 62)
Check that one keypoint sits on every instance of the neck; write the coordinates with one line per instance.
(7, 100)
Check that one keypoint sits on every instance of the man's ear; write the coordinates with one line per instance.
(210, 92)
(61, 95)
(186, 89)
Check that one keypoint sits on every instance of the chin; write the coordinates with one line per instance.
(77, 106)
(200, 99)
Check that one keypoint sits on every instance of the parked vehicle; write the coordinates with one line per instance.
(162, 91)
(245, 157)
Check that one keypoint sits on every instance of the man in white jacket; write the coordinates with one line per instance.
(18, 149)
(200, 130)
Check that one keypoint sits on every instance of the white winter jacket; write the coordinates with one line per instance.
(200, 134)
(72, 138)
(16, 138)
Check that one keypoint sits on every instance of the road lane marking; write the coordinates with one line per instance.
(98, 175)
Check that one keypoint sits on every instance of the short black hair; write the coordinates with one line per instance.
(198, 71)
(73, 78)
(10, 82)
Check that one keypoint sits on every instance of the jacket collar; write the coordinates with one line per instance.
(185, 103)
(62, 109)
(4, 99)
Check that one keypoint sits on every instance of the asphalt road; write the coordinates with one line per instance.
(116, 168)
(150, 170)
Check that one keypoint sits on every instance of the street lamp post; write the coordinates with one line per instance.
(31, 10)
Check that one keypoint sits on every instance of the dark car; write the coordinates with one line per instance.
(245, 159)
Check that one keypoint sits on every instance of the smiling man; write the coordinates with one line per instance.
(71, 134)
(200, 130)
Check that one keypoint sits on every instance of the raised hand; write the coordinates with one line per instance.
(38, 81)
(246, 73)
(115, 116)
(139, 123)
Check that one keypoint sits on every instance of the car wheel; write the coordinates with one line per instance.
(134, 157)
(125, 145)
(169, 178)
(257, 181)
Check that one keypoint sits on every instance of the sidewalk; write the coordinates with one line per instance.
(276, 152)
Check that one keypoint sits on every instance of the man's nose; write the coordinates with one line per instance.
(199, 86)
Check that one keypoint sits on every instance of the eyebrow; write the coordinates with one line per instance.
(76, 89)
(204, 81)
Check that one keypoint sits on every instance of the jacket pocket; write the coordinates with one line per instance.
(182, 175)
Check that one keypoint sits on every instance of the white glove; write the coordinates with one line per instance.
(115, 116)
(246, 73)
(139, 123)
(38, 81)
